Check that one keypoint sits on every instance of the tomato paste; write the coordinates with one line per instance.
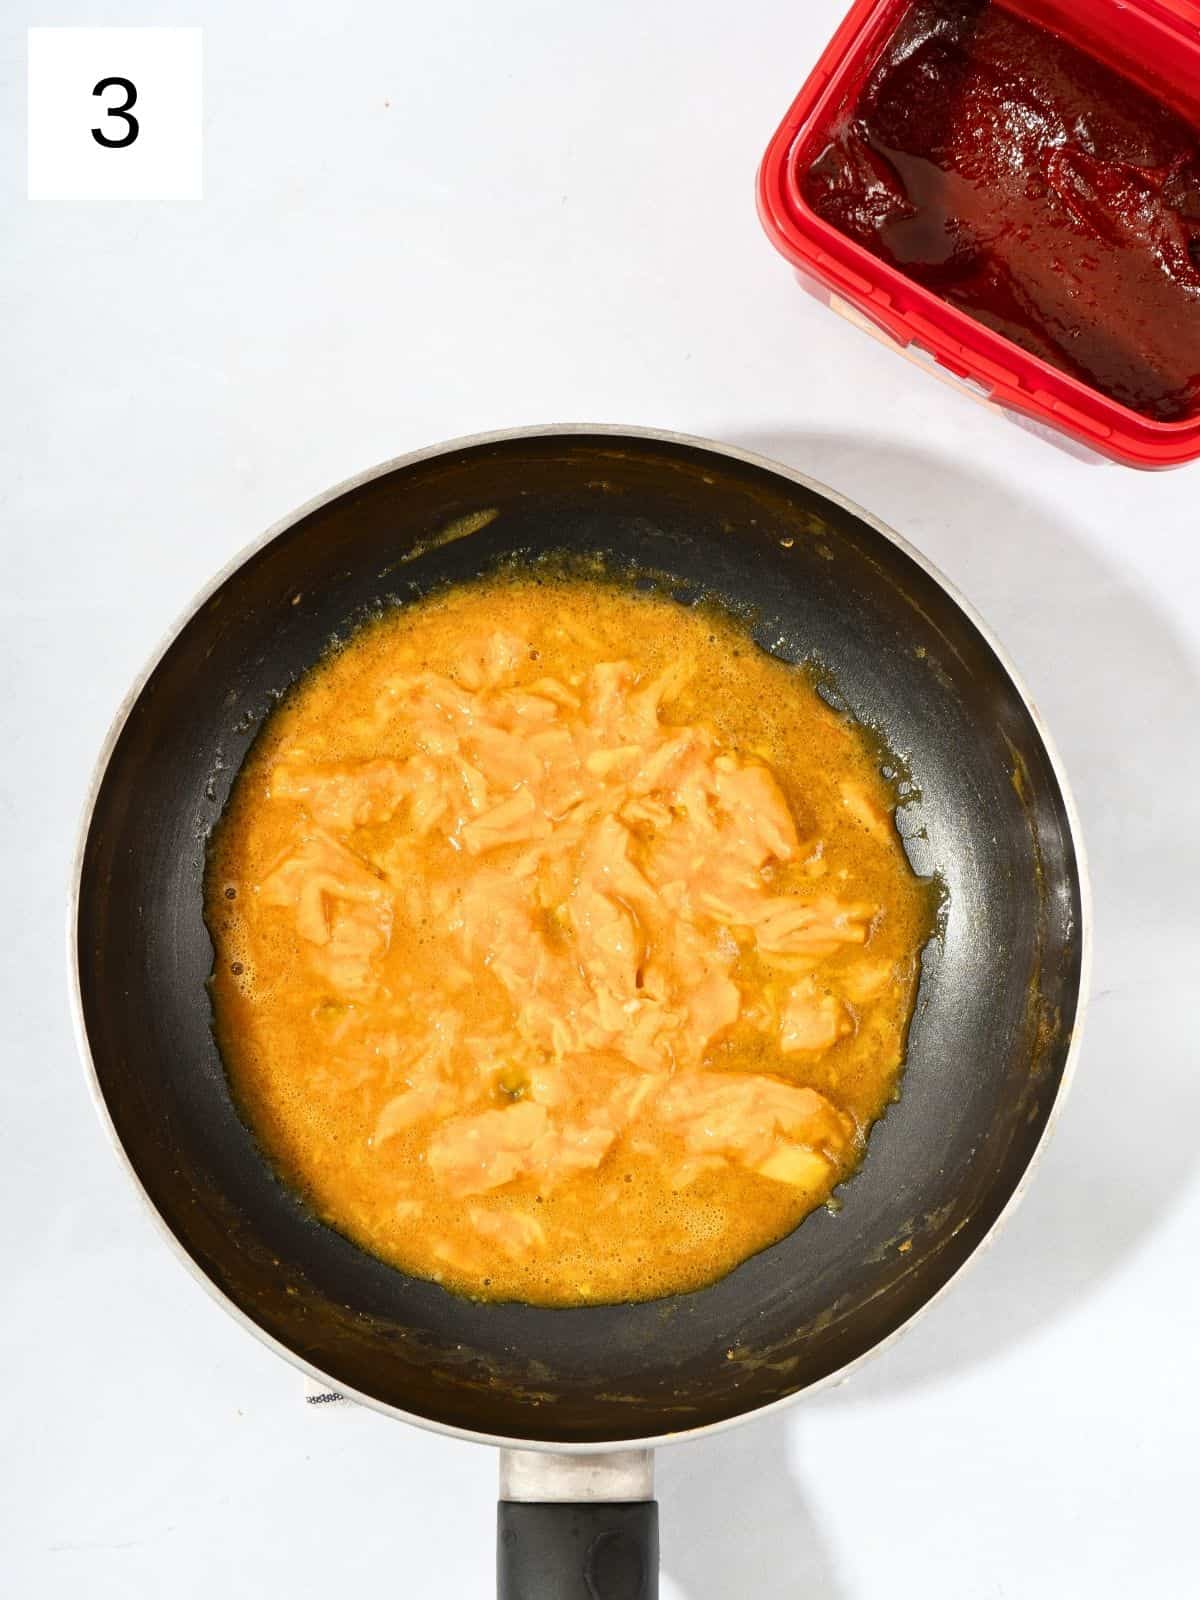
(1036, 189)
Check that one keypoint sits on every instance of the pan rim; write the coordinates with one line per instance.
(412, 458)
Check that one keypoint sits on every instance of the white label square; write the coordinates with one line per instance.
(138, 136)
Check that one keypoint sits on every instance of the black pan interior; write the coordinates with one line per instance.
(997, 1000)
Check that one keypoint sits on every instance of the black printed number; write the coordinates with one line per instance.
(122, 111)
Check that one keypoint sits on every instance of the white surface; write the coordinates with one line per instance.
(426, 220)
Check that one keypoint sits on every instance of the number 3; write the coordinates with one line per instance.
(122, 111)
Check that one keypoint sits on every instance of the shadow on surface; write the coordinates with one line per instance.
(735, 1523)
(1118, 691)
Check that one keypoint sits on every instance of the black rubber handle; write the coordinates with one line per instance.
(596, 1550)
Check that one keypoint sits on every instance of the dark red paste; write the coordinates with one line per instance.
(1044, 194)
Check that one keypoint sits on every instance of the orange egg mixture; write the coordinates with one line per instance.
(565, 945)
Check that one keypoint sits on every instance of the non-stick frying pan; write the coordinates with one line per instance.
(578, 1397)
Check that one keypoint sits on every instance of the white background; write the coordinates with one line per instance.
(423, 220)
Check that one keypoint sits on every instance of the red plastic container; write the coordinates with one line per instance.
(1154, 43)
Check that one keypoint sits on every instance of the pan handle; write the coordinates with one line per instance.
(577, 1527)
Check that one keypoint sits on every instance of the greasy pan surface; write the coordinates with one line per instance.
(999, 993)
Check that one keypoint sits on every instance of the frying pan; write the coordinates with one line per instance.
(577, 1398)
